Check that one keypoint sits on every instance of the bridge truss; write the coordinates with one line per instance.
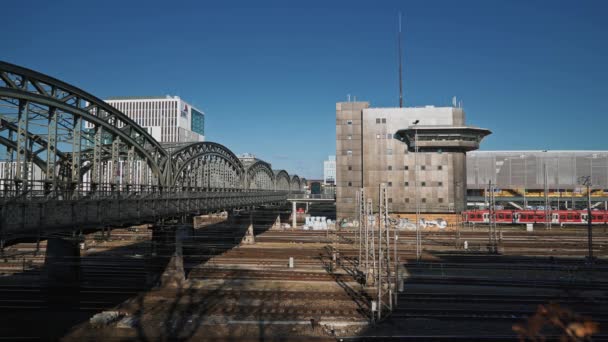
(72, 161)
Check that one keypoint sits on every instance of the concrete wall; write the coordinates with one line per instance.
(348, 166)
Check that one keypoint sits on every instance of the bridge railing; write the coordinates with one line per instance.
(313, 196)
(28, 216)
(41, 190)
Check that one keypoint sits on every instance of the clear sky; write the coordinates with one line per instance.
(268, 76)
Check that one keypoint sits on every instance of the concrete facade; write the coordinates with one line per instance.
(370, 152)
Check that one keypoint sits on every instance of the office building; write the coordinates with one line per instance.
(168, 119)
(329, 170)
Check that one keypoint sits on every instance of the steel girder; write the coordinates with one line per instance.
(260, 176)
(24, 218)
(84, 137)
(29, 86)
(205, 163)
(282, 180)
(295, 183)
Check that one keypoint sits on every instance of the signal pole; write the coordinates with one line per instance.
(586, 181)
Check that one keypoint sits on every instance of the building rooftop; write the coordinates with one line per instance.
(118, 98)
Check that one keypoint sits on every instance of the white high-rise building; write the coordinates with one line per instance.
(168, 119)
(329, 170)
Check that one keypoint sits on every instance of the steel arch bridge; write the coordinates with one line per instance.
(72, 161)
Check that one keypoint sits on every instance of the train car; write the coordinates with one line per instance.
(476, 216)
(561, 217)
(597, 216)
(529, 216)
(483, 216)
(569, 217)
(505, 217)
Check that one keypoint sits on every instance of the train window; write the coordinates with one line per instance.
(569, 216)
(530, 217)
(562, 217)
(501, 216)
(478, 216)
(577, 217)
(508, 216)
(540, 216)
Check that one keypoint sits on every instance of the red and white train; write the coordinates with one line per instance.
(561, 217)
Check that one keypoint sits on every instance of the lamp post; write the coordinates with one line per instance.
(586, 181)
(418, 237)
(523, 156)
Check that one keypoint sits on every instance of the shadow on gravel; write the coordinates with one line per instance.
(111, 277)
(458, 295)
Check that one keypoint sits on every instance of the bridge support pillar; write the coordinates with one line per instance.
(62, 263)
(294, 207)
(174, 275)
(249, 238)
(277, 223)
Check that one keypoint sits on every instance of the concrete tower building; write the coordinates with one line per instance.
(376, 145)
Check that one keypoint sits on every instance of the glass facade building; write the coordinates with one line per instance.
(198, 122)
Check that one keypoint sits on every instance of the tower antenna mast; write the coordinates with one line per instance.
(400, 65)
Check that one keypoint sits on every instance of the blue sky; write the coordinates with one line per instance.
(268, 76)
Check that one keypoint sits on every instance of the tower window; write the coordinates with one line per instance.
(406, 167)
(422, 167)
(424, 200)
(390, 183)
(350, 168)
(423, 184)
(383, 120)
(390, 200)
(350, 183)
(406, 184)
(439, 167)
(349, 122)
(390, 167)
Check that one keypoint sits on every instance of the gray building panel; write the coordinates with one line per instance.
(525, 169)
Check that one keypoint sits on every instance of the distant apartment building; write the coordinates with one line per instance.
(329, 170)
(377, 145)
(168, 119)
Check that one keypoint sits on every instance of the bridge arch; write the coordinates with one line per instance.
(295, 183)
(205, 165)
(282, 180)
(76, 121)
(260, 176)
